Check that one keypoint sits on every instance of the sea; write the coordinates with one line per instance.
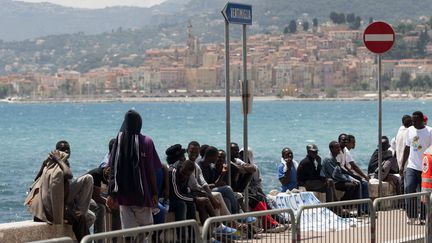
(28, 132)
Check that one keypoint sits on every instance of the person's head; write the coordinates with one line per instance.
(203, 150)
(193, 150)
(250, 156)
(211, 154)
(220, 160)
(312, 150)
(287, 154)
(334, 148)
(406, 121)
(343, 140)
(351, 142)
(63, 146)
(111, 144)
(132, 122)
(186, 168)
(235, 150)
(417, 120)
(175, 153)
(385, 143)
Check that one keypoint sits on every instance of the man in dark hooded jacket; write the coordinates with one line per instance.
(132, 181)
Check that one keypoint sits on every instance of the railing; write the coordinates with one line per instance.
(386, 220)
(56, 240)
(266, 220)
(183, 231)
(403, 218)
(346, 221)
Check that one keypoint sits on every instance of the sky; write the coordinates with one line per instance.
(100, 3)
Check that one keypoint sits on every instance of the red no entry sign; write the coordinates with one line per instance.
(379, 37)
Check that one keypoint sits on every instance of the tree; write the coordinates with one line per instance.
(371, 20)
(5, 90)
(355, 25)
(341, 18)
(350, 18)
(286, 30)
(334, 17)
(331, 92)
(292, 27)
(404, 80)
(315, 22)
(422, 43)
(306, 26)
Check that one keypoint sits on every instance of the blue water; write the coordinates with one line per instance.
(28, 132)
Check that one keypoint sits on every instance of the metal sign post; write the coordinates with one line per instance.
(236, 14)
(227, 102)
(379, 127)
(245, 93)
(378, 38)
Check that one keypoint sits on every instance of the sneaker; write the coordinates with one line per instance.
(257, 230)
(224, 230)
(276, 229)
(410, 221)
(213, 240)
(422, 222)
(248, 220)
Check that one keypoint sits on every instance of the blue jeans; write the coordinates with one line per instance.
(364, 194)
(159, 218)
(183, 210)
(229, 198)
(412, 184)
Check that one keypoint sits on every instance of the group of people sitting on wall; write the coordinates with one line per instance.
(401, 166)
(140, 189)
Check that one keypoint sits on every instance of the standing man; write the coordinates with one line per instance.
(287, 170)
(331, 168)
(418, 139)
(133, 163)
(309, 174)
(401, 138)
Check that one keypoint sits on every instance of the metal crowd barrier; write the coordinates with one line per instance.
(386, 220)
(56, 240)
(346, 221)
(273, 232)
(403, 218)
(181, 231)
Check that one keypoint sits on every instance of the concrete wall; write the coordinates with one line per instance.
(26, 231)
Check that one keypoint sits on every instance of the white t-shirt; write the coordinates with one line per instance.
(400, 144)
(418, 141)
(344, 158)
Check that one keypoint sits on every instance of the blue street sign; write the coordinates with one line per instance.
(236, 13)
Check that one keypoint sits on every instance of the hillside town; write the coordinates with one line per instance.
(323, 59)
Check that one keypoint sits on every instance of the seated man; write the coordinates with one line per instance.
(287, 170)
(308, 174)
(389, 165)
(184, 201)
(75, 192)
(347, 163)
(343, 181)
(241, 172)
(97, 204)
(207, 165)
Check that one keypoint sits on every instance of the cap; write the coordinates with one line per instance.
(311, 147)
(175, 150)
